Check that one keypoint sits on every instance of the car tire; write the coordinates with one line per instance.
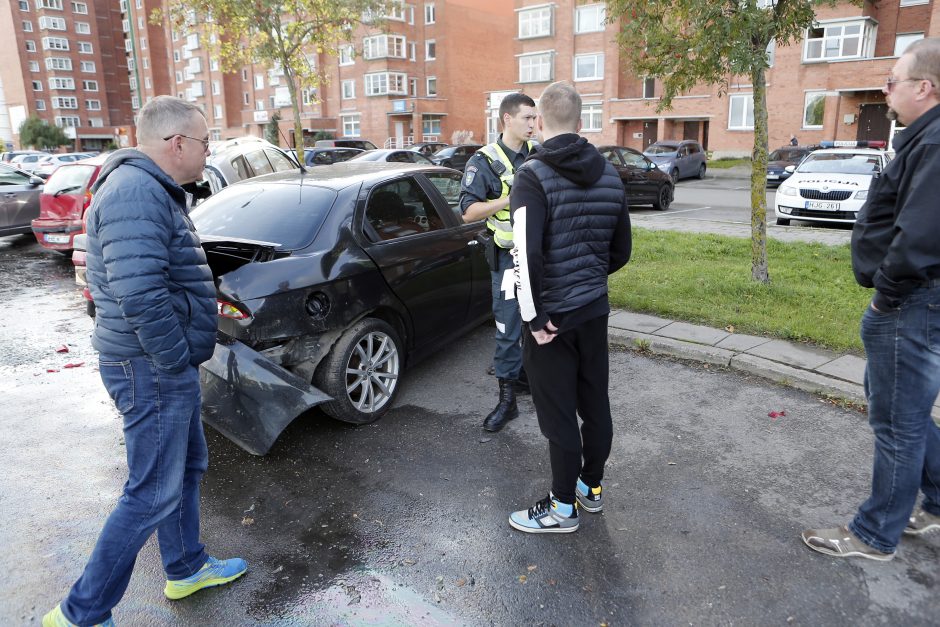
(783, 221)
(362, 391)
(701, 171)
(663, 197)
(675, 175)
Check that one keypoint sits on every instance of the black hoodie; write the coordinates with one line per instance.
(571, 229)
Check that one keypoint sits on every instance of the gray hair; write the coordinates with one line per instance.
(164, 116)
(926, 60)
(560, 106)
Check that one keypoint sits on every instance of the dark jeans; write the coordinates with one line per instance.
(166, 458)
(568, 378)
(902, 380)
(508, 358)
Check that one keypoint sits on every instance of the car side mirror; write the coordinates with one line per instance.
(36, 181)
(790, 169)
(650, 165)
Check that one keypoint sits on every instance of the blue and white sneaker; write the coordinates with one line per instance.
(213, 573)
(56, 618)
(547, 516)
(589, 499)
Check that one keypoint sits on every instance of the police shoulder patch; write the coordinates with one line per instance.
(470, 175)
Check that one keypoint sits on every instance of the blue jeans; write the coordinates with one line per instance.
(166, 458)
(902, 380)
(507, 361)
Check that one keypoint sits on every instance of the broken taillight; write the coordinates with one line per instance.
(228, 310)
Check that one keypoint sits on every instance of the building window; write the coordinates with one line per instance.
(429, 15)
(589, 18)
(351, 126)
(591, 113)
(535, 22)
(88, 66)
(216, 88)
(431, 125)
(271, 102)
(65, 102)
(27, 26)
(309, 96)
(814, 108)
(51, 23)
(93, 105)
(536, 68)
(30, 45)
(96, 122)
(413, 87)
(259, 81)
(179, 77)
(649, 88)
(259, 105)
(37, 85)
(90, 85)
(346, 55)
(135, 102)
(59, 63)
(49, 4)
(348, 89)
(910, 3)
(588, 67)
(741, 112)
(143, 43)
(59, 82)
(34, 66)
(55, 43)
(147, 82)
(903, 40)
(382, 46)
(192, 41)
(245, 98)
(217, 111)
(384, 83)
(85, 47)
(176, 56)
(83, 28)
(80, 7)
(845, 40)
(40, 105)
(67, 121)
(24, 5)
(214, 65)
(432, 85)
(430, 50)
(146, 62)
(215, 134)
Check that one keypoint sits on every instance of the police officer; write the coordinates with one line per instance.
(484, 194)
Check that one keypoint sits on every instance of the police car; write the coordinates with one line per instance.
(830, 184)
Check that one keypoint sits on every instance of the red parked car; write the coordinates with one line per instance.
(62, 205)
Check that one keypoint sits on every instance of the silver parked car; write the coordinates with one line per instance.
(244, 158)
(19, 200)
(678, 158)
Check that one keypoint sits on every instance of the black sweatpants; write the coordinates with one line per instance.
(568, 377)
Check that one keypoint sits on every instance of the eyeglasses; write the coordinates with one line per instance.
(890, 82)
(204, 142)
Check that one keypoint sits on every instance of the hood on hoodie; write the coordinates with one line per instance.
(137, 159)
(573, 157)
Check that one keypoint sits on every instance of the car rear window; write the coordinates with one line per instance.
(660, 149)
(69, 179)
(284, 214)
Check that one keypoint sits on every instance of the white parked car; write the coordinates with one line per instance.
(50, 163)
(829, 185)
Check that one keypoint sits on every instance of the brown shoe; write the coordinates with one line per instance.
(840, 542)
(922, 522)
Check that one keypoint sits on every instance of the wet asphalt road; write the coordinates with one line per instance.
(404, 522)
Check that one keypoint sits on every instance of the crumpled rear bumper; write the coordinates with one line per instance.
(250, 399)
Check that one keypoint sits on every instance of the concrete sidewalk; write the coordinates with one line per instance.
(800, 366)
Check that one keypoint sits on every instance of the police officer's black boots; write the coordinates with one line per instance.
(506, 410)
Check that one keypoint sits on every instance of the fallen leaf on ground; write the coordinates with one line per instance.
(730, 328)
(77, 364)
(531, 568)
(62, 349)
(777, 414)
(51, 370)
(522, 578)
(248, 520)
(461, 582)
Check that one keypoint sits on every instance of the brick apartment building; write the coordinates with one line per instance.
(65, 63)
(826, 87)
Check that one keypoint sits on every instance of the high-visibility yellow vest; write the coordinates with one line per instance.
(499, 223)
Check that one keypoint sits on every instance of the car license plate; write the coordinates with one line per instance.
(55, 238)
(772, 177)
(823, 206)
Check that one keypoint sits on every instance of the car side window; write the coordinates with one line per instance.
(241, 167)
(634, 160)
(258, 162)
(322, 158)
(399, 209)
(399, 157)
(448, 184)
(611, 155)
(12, 177)
(279, 162)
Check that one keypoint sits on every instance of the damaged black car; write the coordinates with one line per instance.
(330, 283)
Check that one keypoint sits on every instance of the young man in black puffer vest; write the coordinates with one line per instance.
(571, 229)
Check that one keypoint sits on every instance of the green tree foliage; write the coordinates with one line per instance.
(42, 135)
(286, 35)
(271, 130)
(685, 43)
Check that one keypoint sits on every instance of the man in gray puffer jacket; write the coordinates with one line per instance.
(155, 323)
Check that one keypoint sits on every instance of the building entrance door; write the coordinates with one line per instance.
(399, 134)
(872, 123)
(649, 132)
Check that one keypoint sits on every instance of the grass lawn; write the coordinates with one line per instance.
(720, 164)
(706, 279)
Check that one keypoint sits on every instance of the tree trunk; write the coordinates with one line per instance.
(759, 270)
(295, 106)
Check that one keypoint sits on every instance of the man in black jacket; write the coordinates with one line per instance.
(571, 229)
(896, 250)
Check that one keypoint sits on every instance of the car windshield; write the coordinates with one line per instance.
(786, 155)
(841, 163)
(661, 149)
(285, 214)
(69, 179)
